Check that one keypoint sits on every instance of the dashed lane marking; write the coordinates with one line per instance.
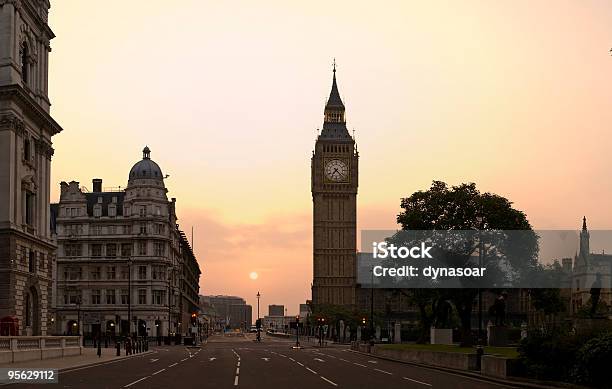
(359, 364)
(312, 371)
(135, 382)
(157, 372)
(384, 371)
(331, 382)
(174, 364)
(418, 382)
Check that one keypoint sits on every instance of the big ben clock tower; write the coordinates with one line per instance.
(334, 173)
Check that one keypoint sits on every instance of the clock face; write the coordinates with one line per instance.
(336, 170)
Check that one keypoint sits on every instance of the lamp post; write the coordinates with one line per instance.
(480, 247)
(129, 262)
(372, 309)
(169, 308)
(258, 319)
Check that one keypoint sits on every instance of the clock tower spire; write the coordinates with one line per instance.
(334, 173)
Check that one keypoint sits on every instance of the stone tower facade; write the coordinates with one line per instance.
(26, 127)
(334, 181)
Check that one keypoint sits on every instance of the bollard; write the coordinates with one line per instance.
(118, 345)
(479, 353)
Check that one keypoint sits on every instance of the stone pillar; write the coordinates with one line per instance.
(359, 334)
(377, 333)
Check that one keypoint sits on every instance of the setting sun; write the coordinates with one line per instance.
(253, 275)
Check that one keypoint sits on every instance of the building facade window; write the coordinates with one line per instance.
(142, 248)
(125, 297)
(32, 261)
(73, 249)
(158, 296)
(95, 296)
(96, 250)
(110, 273)
(126, 250)
(142, 272)
(95, 273)
(142, 296)
(110, 296)
(111, 250)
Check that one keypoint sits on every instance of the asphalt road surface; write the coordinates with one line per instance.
(239, 362)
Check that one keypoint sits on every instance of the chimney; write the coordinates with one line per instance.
(97, 185)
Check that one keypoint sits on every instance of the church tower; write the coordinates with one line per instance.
(27, 251)
(334, 180)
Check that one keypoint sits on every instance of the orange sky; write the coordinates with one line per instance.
(228, 95)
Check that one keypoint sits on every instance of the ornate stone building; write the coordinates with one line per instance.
(334, 179)
(589, 270)
(121, 255)
(26, 128)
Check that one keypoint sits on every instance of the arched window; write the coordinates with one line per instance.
(25, 55)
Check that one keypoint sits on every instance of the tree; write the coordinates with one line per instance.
(464, 208)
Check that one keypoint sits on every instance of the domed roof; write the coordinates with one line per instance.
(146, 168)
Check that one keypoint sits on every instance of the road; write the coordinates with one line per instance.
(239, 362)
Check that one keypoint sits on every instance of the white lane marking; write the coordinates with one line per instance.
(237, 371)
(384, 371)
(331, 356)
(238, 364)
(135, 382)
(359, 364)
(159, 371)
(292, 360)
(183, 360)
(266, 359)
(331, 382)
(418, 382)
(236, 381)
(211, 359)
(153, 360)
(299, 363)
(282, 355)
(371, 361)
(344, 360)
(312, 371)
(319, 360)
(174, 364)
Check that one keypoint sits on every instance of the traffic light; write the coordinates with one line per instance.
(363, 320)
(193, 319)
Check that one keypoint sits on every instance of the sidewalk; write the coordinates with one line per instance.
(89, 357)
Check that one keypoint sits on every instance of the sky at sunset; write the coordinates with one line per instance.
(514, 96)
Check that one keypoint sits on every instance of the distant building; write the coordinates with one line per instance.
(27, 252)
(277, 323)
(232, 311)
(121, 256)
(276, 310)
(304, 311)
(240, 316)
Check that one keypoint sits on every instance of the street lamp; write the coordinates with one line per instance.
(129, 262)
(258, 319)
(169, 293)
(479, 219)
